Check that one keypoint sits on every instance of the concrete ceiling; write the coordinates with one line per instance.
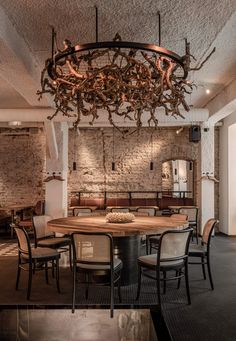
(25, 40)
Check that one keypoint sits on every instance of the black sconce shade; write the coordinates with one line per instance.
(74, 166)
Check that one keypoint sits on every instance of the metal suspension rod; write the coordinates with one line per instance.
(53, 41)
(96, 17)
(159, 27)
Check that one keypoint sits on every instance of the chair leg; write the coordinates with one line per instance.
(46, 272)
(29, 281)
(87, 285)
(209, 272)
(34, 267)
(158, 288)
(147, 244)
(164, 282)
(203, 267)
(74, 288)
(196, 234)
(178, 273)
(150, 248)
(57, 275)
(139, 282)
(187, 283)
(53, 268)
(112, 296)
(70, 257)
(119, 291)
(18, 274)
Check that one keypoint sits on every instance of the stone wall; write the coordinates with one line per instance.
(93, 150)
(22, 167)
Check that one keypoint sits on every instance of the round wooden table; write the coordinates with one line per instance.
(126, 236)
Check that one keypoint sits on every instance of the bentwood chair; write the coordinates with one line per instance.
(93, 257)
(202, 250)
(43, 237)
(192, 213)
(151, 212)
(34, 259)
(172, 256)
(155, 239)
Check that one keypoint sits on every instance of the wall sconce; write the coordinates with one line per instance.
(191, 165)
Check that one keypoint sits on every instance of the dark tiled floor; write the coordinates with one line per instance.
(211, 316)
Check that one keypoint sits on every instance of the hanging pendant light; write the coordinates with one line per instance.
(113, 165)
(74, 166)
(151, 162)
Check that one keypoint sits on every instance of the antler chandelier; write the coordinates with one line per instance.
(124, 79)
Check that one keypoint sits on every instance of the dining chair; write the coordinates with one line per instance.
(202, 250)
(83, 211)
(172, 255)
(43, 237)
(93, 255)
(150, 210)
(192, 213)
(154, 240)
(28, 214)
(34, 259)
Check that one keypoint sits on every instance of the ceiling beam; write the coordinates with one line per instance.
(194, 116)
(223, 104)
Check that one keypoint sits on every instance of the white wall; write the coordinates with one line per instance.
(227, 188)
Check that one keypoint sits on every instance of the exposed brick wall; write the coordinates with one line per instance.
(22, 167)
(132, 156)
(22, 162)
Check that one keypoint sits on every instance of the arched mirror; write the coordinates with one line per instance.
(178, 178)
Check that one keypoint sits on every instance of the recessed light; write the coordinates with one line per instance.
(208, 91)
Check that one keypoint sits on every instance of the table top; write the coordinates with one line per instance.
(15, 207)
(140, 226)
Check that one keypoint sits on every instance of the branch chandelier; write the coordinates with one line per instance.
(124, 79)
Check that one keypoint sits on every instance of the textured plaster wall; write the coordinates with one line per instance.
(22, 167)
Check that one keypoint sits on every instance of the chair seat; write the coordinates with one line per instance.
(117, 265)
(42, 252)
(54, 242)
(197, 250)
(151, 261)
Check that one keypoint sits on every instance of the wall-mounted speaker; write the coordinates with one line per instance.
(195, 134)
